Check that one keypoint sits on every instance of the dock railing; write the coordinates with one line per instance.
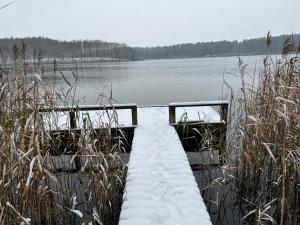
(221, 125)
(223, 109)
(73, 109)
(72, 116)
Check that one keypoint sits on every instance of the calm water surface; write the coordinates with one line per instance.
(154, 82)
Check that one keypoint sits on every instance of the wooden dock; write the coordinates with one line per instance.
(160, 186)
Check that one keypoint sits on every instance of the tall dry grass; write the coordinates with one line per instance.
(267, 140)
(259, 183)
(33, 190)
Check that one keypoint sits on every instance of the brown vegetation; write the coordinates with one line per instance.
(31, 189)
(267, 140)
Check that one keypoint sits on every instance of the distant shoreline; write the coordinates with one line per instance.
(101, 51)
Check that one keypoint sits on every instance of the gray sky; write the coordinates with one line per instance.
(149, 22)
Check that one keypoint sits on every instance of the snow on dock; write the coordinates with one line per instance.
(160, 187)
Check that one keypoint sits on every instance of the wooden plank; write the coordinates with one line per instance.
(202, 103)
(89, 107)
(197, 167)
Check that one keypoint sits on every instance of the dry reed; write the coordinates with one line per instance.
(267, 140)
(33, 190)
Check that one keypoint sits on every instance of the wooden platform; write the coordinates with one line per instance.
(160, 187)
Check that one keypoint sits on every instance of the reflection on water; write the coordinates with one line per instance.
(221, 199)
(155, 82)
(219, 193)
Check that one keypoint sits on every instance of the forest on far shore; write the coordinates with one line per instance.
(49, 48)
(255, 46)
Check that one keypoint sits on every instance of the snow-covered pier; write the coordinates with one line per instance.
(160, 187)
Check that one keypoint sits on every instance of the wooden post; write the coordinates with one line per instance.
(224, 112)
(223, 130)
(77, 160)
(134, 116)
(172, 115)
(72, 119)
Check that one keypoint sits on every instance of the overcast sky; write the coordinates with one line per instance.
(149, 22)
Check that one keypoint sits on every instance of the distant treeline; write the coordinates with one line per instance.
(220, 48)
(50, 48)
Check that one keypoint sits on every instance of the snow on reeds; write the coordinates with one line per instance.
(267, 140)
(32, 189)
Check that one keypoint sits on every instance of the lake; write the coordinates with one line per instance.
(157, 82)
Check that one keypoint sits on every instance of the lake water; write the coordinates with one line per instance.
(156, 82)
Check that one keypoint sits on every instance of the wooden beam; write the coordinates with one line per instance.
(89, 107)
(72, 115)
(134, 116)
(224, 112)
(172, 115)
(73, 109)
(172, 108)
